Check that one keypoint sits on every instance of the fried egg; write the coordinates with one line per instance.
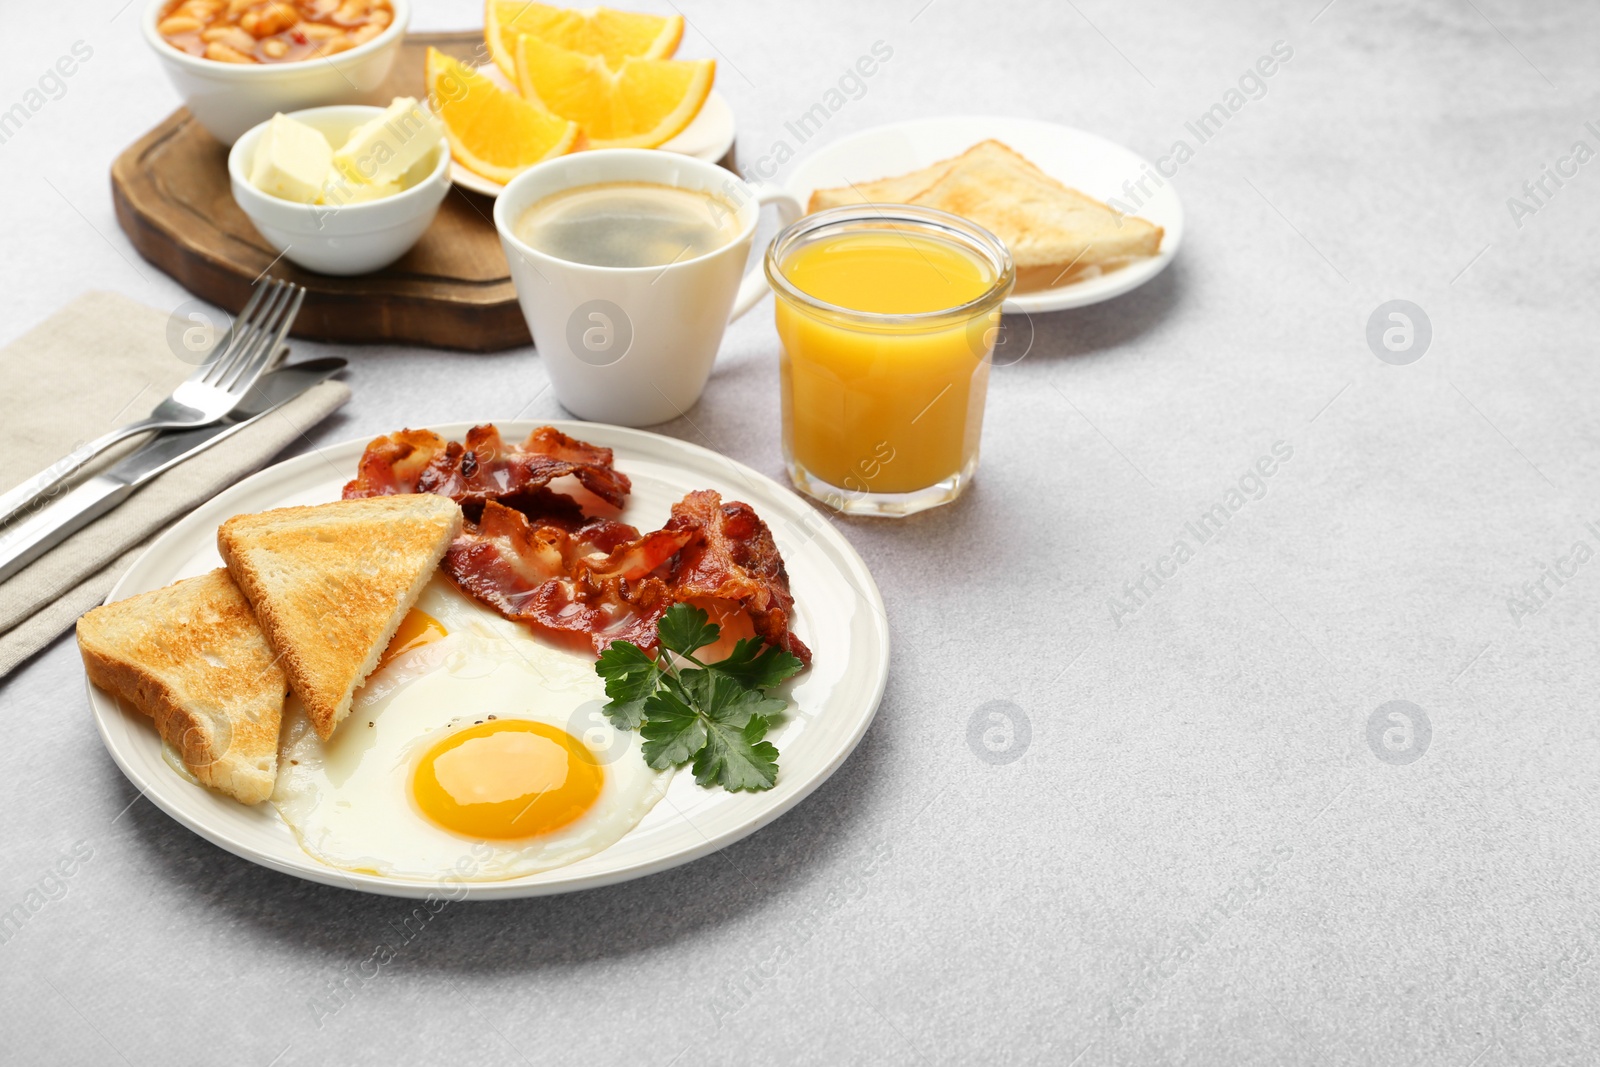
(474, 752)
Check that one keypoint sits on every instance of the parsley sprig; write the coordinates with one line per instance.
(714, 715)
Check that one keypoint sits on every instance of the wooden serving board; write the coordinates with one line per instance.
(452, 290)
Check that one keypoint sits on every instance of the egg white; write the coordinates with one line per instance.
(349, 800)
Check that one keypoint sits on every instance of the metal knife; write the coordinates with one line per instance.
(26, 541)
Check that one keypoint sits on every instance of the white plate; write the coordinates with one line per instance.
(839, 614)
(708, 137)
(1081, 160)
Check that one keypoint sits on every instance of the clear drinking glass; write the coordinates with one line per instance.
(883, 406)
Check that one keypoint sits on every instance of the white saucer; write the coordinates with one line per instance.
(709, 137)
(1081, 160)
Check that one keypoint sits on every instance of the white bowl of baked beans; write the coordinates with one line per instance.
(237, 62)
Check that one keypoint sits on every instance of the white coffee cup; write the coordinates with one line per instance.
(633, 345)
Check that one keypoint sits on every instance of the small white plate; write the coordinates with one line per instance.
(838, 613)
(1085, 162)
(708, 137)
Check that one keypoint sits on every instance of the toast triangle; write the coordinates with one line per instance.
(1046, 225)
(192, 657)
(331, 583)
(897, 190)
(1054, 232)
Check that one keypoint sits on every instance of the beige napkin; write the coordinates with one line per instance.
(101, 362)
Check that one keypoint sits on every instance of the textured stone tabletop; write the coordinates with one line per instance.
(1198, 830)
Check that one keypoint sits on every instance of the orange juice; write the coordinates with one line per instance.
(885, 368)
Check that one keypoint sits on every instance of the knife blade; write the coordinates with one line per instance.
(26, 541)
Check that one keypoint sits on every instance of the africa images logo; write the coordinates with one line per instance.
(599, 332)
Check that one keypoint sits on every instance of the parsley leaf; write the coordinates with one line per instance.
(715, 716)
(722, 699)
(680, 718)
(631, 676)
(734, 755)
(758, 667)
(686, 629)
(737, 758)
(673, 732)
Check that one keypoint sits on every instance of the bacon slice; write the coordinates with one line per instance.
(392, 464)
(734, 558)
(595, 579)
(603, 579)
(484, 469)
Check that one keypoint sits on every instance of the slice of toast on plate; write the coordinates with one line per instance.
(1046, 225)
(331, 583)
(1055, 233)
(896, 190)
(192, 657)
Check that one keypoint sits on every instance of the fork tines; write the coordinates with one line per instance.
(256, 335)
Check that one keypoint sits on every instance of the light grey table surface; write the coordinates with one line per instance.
(1205, 852)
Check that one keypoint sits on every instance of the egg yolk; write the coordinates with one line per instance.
(507, 778)
(418, 628)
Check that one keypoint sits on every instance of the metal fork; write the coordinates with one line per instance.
(210, 393)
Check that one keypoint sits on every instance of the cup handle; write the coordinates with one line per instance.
(754, 286)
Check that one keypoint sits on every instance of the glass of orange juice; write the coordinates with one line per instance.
(888, 315)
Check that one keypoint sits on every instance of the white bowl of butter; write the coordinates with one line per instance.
(346, 189)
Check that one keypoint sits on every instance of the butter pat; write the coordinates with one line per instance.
(292, 161)
(383, 150)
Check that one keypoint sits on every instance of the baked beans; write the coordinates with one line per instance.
(272, 31)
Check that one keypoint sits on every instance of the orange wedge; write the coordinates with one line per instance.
(642, 104)
(612, 35)
(492, 132)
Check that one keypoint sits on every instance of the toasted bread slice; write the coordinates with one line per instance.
(1054, 232)
(192, 657)
(331, 583)
(896, 190)
(1046, 225)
